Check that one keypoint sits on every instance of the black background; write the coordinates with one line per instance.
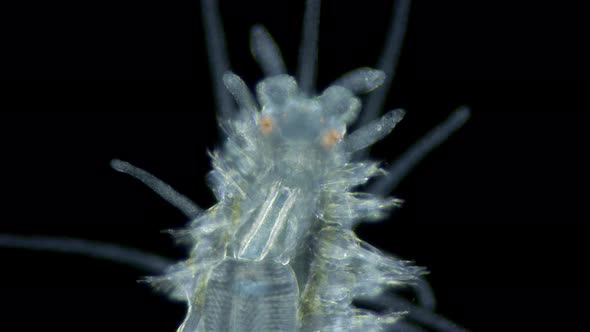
(497, 213)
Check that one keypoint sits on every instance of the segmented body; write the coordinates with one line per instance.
(281, 235)
(278, 251)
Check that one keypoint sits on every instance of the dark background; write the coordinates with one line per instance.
(497, 213)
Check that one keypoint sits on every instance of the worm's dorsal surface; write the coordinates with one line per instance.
(285, 182)
(278, 251)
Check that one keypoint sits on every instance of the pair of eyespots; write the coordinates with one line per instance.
(329, 136)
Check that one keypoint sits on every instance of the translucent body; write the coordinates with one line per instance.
(284, 180)
(277, 252)
(250, 296)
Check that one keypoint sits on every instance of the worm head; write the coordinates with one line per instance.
(291, 119)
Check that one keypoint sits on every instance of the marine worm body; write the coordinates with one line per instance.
(277, 252)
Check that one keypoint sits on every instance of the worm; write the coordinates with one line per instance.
(286, 179)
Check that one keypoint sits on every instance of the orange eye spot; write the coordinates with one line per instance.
(330, 137)
(265, 124)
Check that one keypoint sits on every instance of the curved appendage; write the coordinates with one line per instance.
(388, 60)
(424, 294)
(239, 90)
(308, 50)
(124, 255)
(165, 191)
(374, 131)
(417, 314)
(398, 170)
(266, 52)
(361, 80)
(415, 317)
(217, 54)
